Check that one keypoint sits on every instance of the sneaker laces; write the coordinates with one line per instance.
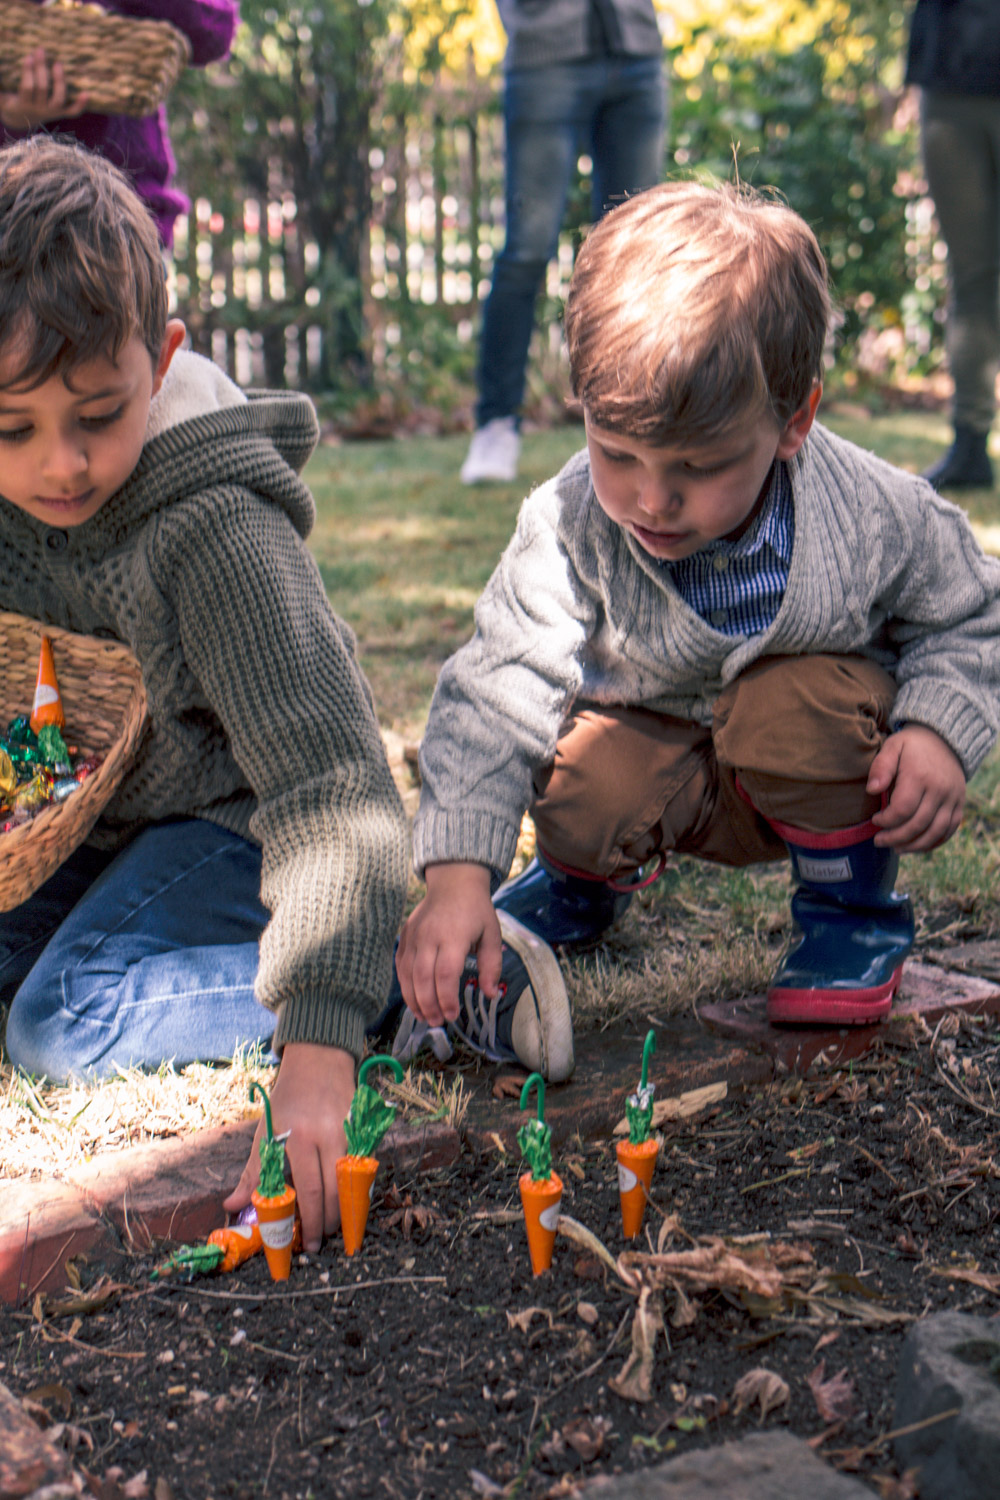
(412, 1035)
(477, 1018)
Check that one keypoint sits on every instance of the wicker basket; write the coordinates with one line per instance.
(125, 65)
(105, 705)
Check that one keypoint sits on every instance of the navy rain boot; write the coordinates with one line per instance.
(562, 908)
(854, 931)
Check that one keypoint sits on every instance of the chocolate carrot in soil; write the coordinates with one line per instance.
(242, 1240)
(541, 1188)
(367, 1122)
(637, 1155)
(274, 1198)
(224, 1250)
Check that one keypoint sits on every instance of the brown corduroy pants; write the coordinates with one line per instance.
(799, 733)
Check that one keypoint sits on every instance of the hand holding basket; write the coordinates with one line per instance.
(126, 65)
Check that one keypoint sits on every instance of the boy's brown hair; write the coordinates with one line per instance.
(81, 268)
(692, 306)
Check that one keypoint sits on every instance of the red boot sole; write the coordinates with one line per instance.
(832, 1007)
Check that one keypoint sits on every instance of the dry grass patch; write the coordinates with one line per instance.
(425, 1096)
(47, 1130)
(701, 933)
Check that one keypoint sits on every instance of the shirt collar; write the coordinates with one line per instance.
(772, 526)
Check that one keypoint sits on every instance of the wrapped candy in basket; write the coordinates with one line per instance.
(97, 691)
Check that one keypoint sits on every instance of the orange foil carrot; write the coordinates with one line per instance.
(48, 706)
(238, 1242)
(274, 1198)
(241, 1240)
(637, 1156)
(541, 1188)
(367, 1122)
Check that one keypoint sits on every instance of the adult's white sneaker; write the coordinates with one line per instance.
(493, 453)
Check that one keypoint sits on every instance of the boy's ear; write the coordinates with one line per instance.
(173, 337)
(796, 429)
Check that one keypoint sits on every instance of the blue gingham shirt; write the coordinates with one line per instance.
(737, 587)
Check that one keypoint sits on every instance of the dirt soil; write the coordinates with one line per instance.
(433, 1363)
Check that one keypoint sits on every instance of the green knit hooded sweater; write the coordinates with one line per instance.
(261, 719)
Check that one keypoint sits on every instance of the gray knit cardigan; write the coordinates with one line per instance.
(576, 610)
(260, 717)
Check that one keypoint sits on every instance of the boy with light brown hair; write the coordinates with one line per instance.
(720, 629)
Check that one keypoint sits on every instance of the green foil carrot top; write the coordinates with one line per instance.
(369, 1116)
(189, 1261)
(639, 1106)
(272, 1153)
(534, 1137)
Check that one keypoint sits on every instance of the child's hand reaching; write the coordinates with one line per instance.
(41, 95)
(455, 918)
(310, 1099)
(926, 786)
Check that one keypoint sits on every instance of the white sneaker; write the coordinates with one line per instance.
(493, 453)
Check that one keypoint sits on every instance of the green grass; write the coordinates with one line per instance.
(405, 549)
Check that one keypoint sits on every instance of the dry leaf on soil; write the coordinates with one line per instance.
(635, 1380)
(586, 1436)
(760, 1387)
(981, 1279)
(508, 1085)
(903, 1487)
(762, 1269)
(94, 1299)
(834, 1398)
(682, 1106)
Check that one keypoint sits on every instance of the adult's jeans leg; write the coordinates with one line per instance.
(156, 963)
(627, 130)
(961, 147)
(542, 123)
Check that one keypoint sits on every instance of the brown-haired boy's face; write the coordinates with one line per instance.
(67, 445)
(677, 500)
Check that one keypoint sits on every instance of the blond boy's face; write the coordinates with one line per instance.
(675, 501)
(69, 444)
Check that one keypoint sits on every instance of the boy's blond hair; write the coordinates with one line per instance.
(692, 306)
(81, 268)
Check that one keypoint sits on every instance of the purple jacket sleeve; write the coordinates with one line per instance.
(208, 24)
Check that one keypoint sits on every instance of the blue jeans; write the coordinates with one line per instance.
(615, 108)
(140, 959)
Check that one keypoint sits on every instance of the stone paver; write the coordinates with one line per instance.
(767, 1466)
(927, 990)
(951, 1363)
(608, 1065)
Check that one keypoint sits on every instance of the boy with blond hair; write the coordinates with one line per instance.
(247, 878)
(720, 629)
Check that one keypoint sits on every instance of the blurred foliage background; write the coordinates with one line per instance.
(334, 107)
